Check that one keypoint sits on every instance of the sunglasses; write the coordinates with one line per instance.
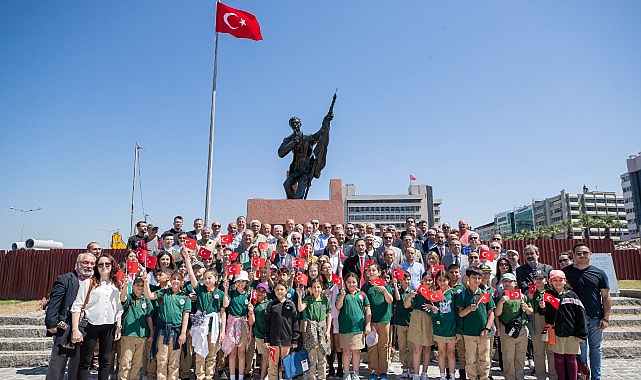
(473, 257)
(496, 239)
(104, 265)
(581, 253)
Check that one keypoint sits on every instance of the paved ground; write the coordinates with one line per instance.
(613, 369)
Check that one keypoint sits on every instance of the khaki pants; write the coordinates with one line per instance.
(541, 351)
(460, 351)
(168, 361)
(205, 367)
(149, 366)
(514, 351)
(186, 360)
(132, 351)
(249, 356)
(477, 357)
(273, 364)
(403, 347)
(377, 354)
(317, 359)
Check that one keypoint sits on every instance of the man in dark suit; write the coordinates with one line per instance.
(357, 262)
(58, 314)
(282, 258)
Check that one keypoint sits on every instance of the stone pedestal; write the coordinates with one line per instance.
(276, 211)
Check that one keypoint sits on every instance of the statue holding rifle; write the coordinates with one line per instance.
(310, 152)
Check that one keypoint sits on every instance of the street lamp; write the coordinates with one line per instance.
(24, 215)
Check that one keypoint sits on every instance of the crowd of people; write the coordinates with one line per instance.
(228, 305)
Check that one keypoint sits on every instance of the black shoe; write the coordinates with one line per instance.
(461, 374)
(339, 373)
(332, 372)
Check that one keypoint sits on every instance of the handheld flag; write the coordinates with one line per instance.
(132, 267)
(273, 256)
(303, 251)
(485, 254)
(398, 274)
(272, 350)
(239, 24)
(258, 262)
(150, 262)
(121, 275)
(204, 253)
(483, 298)
(424, 291)
(234, 268)
(547, 297)
(301, 279)
(342, 255)
(190, 243)
(226, 239)
(338, 280)
(141, 254)
(378, 282)
(436, 296)
(514, 295)
(436, 268)
(368, 263)
(253, 298)
(298, 263)
(233, 256)
(262, 246)
(532, 288)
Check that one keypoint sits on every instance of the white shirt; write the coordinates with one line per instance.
(103, 306)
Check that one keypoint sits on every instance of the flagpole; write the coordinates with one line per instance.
(210, 160)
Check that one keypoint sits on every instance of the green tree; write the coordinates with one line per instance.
(609, 222)
(568, 225)
(541, 233)
(554, 230)
(586, 222)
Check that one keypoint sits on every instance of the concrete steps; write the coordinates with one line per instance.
(23, 340)
(622, 338)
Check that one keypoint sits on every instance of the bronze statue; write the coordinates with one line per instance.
(306, 163)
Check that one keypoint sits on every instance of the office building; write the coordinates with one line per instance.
(631, 186)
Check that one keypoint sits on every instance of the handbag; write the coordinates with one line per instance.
(547, 335)
(83, 321)
(198, 318)
(295, 364)
(513, 327)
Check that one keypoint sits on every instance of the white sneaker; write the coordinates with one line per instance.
(405, 374)
(355, 376)
(424, 376)
(416, 376)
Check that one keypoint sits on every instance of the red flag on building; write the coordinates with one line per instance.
(239, 24)
(412, 178)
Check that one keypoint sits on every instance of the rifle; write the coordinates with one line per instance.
(311, 174)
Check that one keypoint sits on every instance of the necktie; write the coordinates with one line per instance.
(362, 271)
(456, 261)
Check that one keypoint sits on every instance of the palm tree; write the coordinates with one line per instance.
(569, 226)
(586, 221)
(541, 233)
(527, 235)
(554, 230)
(608, 222)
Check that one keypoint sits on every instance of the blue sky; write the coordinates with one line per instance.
(493, 104)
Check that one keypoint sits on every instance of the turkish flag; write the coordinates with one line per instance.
(532, 288)
(342, 255)
(150, 262)
(378, 282)
(226, 239)
(436, 296)
(204, 253)
(338, 280)
(301, 279)
(141, 254)
(258, 262)
(304, 251)
(234, 268)
(121, 275)
(263, 246)
(253, 298)
(239, 24)
(273, 256)
(424, 291)
(257, 273)
(298, 263)
(272, 350)
(436, 268)
(398, 274)
(486, 254)
(514, 295)
(233, 256)
(552, 300)
(412, 178)
(190, 243)
(132, 267)
(368, 263)
(484, 298)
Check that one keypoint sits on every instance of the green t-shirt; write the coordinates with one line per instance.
(401, 314)
(418, 301)
(317, 309)
(445, 322)
(238, 303)
(134, 317)
(208, 301)
(351, 319)
(259, 314)
(475, 321)
(171, 306)
(381, 310)
(511, 310)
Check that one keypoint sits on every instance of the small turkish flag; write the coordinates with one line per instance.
(253, 297)
(234, 268)
(424, 291)
(301, 279)
(532, 288)
(226, 239)
(436, 268)
(204, 253)
(378, 282)
(483, 298)
(151, 261)
(263, 246)
(132, 267)
(513, 295)
(121, 275)
(338, 280)
(272, 350)
(412, 178)
(258, 262)
(273, 256)
(141, 254)
(485, 254)
(398, 274)
(190, 243)
(239, 24)
(436, 296)
(304, 251)
(298, 263)
(233, 256)
(552, 300)
(342, 255)
(257, 273)
(368, 263)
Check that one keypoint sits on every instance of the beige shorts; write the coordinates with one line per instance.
(260, 347)
(566, 345)
(352, 341)
(444, 339)
(335, 325)
(420, 331)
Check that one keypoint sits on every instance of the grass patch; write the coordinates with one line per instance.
(629, 284)
(16, 307)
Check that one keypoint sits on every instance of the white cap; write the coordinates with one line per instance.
(243, 276)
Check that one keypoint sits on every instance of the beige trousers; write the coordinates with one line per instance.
(477, 357)
(132, 350)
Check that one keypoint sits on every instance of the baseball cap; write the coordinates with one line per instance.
(152, 226)
(263, 286)
(508, 276)
(557, 273)
(243, 276)
(540, 273)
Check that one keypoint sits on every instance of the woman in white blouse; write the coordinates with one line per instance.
(102, 312)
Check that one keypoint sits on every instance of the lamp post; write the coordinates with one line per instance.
(24, 215)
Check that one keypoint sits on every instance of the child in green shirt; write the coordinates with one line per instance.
(402, 317)
(316, 338)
